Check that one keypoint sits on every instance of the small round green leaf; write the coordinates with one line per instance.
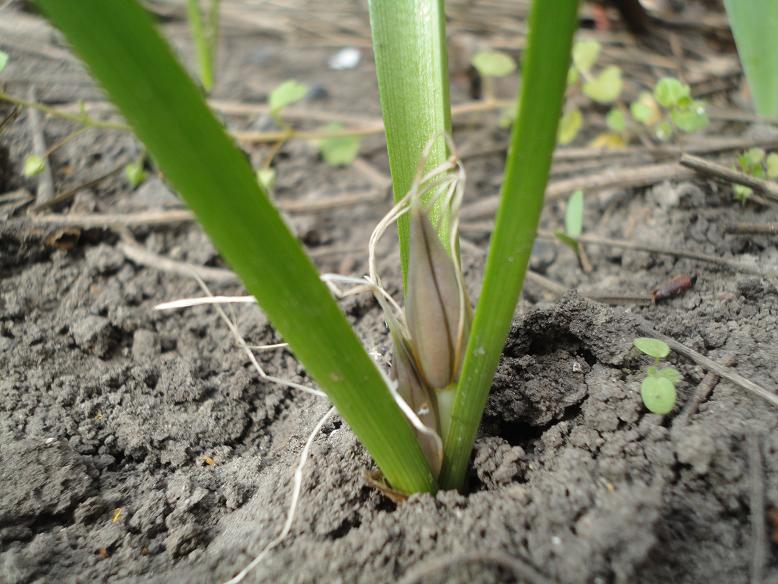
(33, 165)
(570, 125)
(690, 119)
(339, 150)
(669, 91)
(134, 173)
(670, 373)
(493, 64)
(742, 193)
(658, 394)
(652, 347)
(772, 165)
(585, 54)
(3, 60)
(574, 215)
(616, 120)
(287, 93)
(605, 87)
(755, 155)
(644, 109)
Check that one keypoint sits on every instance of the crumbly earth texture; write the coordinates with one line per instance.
(140, 446)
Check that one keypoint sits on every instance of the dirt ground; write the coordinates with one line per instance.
(140, 446)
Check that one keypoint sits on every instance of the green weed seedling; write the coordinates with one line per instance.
(33, 165)
(492, 65)
(338, 150)
(574, 213)
(603, 87)
(754, 162)
(205, 34)
(658, 388)
(134, 173)
(669, 109)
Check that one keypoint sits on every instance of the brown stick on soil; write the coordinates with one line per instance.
(621, 178)
(752, 228)
(522, 570)
(706, 167)
(45, 179)
(65, 196)
(704, 389)
(758, 526)
(709, 364)
(141, 256)
(652, 248)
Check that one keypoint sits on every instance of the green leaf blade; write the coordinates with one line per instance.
(409, 43)
(574, 214)
(544, 78)
(169, 115)
(754, 23)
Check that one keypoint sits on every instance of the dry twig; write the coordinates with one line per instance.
(767, 188)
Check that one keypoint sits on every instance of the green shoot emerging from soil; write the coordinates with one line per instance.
(658, 388)
(754, 162)
(205, 33)
(421, 427)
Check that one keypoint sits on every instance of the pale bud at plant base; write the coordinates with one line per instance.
(434, 305)
(420, 398)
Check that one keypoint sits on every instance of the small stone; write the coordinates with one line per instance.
(543, 255)
(93, 334)
(145, 345)
(183, 540)
(153, 194)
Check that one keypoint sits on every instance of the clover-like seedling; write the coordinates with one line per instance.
(33, 165)
(339, 150)
(754, 162)
(670, 108)
(491, 65)
(289, 92)
(134, 173)
(658, 388)
(603, 87)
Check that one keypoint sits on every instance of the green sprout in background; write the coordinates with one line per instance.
(33, 165)
(205, 33)
(574, 216)
(754, 162)
(658, 388)
(134, 173)
(492, 65)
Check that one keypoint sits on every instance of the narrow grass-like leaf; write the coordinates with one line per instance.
(754, 24)
(203, 45)
(409, 42)
(138, 70)
(544, 77)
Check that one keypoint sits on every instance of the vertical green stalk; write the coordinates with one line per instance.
(205, 37)
(546, 61)
(755, 26)
(409, 42)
